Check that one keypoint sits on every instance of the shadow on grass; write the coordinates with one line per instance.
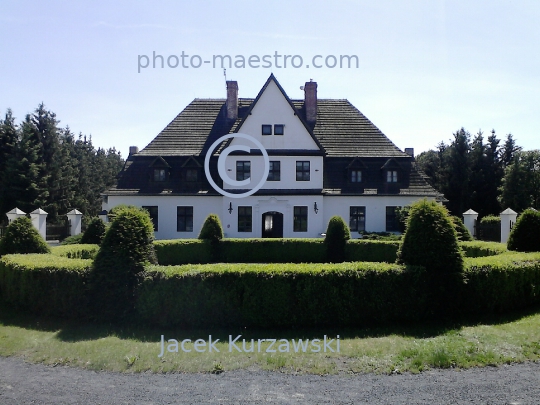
(80, 330)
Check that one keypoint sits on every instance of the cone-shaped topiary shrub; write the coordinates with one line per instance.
(337, 235)
(524, 236)
(125, 249)
(95, 232)
(463, 233)
(211, 229)
(430, 239)
(22, 237)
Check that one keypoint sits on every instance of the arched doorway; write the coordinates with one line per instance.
(272, 224)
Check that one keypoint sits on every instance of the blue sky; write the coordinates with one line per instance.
(426, 68)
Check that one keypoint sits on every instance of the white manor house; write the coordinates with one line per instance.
(325, 158)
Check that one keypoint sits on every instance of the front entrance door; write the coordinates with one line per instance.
(272, 224)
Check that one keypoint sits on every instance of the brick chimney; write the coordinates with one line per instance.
(232, 99)
(310, 101)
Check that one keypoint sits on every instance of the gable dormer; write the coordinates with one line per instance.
(160, 170)
(356, 171)
(274, 121)
(191, 170)
(392, 171)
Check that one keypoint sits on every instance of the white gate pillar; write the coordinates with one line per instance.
(508, 219)
(14, 214)
(75, 221)
(469, 220)
(39, 220)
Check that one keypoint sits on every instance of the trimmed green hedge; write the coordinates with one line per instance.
(183, 251)
(45, 284)
(272, 250)
(79, 251)
(482, 248)
(501, 283)
(283, 295)
(194, 251)
(272, 295)
(360, 250)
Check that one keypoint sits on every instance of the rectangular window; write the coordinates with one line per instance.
(191, 175)
(279, 129)
(159, 174)
(153, 211)
(356, 176)
(184, 219)
(244, 219)
(300, 219)
(357, 219)
(391, 220)
(274, 174)
(266, 129)
(243, 170)
(302, 170)
(391, 176)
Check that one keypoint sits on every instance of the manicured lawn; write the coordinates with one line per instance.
(513, 337)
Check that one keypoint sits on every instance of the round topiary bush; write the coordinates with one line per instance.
(211, 229)
(524, 236)
(337, 235)
(119, 264)
(463, 233)
(95, 232)
(430, 240)
(22, 237)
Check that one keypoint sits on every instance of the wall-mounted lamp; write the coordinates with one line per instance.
(315, 208)
(230, 208)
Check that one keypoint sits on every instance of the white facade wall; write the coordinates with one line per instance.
(288, 172)
(327, 207)
(202, 207)
(375, 208)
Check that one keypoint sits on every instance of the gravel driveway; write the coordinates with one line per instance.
(23, 383)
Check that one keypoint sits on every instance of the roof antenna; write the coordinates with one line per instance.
(225, 74)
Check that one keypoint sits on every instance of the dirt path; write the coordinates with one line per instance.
(23, 383)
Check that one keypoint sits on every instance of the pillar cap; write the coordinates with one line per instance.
(470, 212)
(39, 211)
(509, 211)
(17, 211)
(74, 212)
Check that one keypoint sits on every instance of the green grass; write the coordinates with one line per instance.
(511, 338)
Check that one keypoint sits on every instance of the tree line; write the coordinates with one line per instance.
(484, 174)
(45, 166)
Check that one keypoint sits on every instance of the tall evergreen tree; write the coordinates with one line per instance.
(521, 183)
(25, 172)
(8, 144)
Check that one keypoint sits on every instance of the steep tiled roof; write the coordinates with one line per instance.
(341, 129)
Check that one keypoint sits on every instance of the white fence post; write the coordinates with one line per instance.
(39, 220)
(75, 221)
(508, 219)
(469, 220)
(14, 214)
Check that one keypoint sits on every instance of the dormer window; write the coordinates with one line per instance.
(391, 176)
(160, 174)
(192, 175)
(356, 176)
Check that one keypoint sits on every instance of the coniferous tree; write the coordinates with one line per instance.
(8, 144)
